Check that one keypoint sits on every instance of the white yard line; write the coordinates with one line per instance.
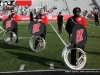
(1, 31)
(58, 34)
(51, 70)
(92, 24)
(1, 28)
(19, 37)
(22, 67)
(51, 66)
(87, 23)
(63, 25)
(24, 37)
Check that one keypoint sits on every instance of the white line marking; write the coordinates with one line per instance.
(19, 37)
(1, 31)
(58, 34)
(23, 37)
(1, 28)
(92, 24)
(51, 66)
(50, 70)
(22, 67)
(87, 23)
(63, 25)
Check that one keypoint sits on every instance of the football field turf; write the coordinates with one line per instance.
(17, 54)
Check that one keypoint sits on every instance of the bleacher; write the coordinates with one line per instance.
(83, 4)
(97, 3)
(61, 6)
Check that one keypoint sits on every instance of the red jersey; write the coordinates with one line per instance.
(81, 20)
(44, 19)
(15, 17)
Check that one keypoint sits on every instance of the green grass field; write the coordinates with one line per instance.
(13, 56)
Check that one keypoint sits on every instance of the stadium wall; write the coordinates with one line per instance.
(23, 2)
(53, 17)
